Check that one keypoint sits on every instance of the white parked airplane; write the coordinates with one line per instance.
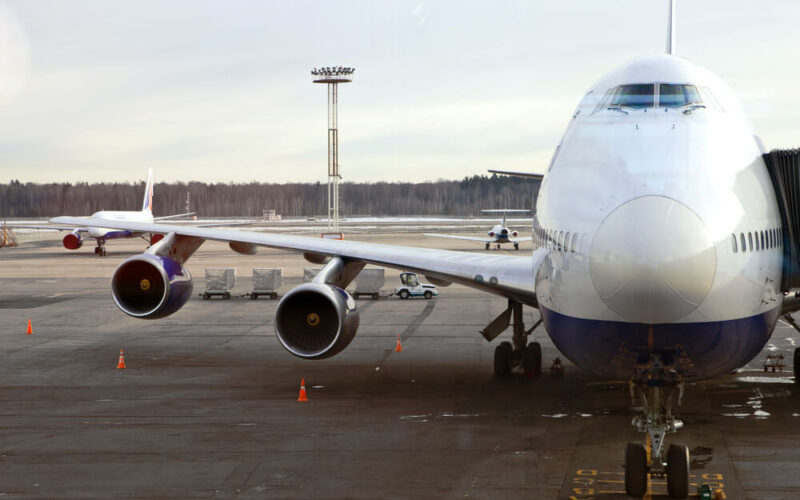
(499, 233)
(668, 269)
(74, 240)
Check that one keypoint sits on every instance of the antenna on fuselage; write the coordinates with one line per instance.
(671, 29)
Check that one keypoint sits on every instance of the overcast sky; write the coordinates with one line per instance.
(220, 90)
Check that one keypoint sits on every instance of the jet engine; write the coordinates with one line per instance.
(491, 234)
(150, 286)
(73, 241)
(316, 321)
(514, 234)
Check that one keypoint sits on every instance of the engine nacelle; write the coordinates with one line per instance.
(73, 241)
(491, 234)
(316, 321)
(150, 286)
(514, 234)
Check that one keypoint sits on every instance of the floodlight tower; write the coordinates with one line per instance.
(333, 76)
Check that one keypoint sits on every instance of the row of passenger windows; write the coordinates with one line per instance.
(562, 241)
(758, 240)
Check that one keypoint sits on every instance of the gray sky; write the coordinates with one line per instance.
(221, 91)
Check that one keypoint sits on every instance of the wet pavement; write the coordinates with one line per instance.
(207, 406)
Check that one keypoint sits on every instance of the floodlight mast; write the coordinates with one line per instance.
(333, 76)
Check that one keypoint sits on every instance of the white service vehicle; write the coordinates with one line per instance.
(411, 287)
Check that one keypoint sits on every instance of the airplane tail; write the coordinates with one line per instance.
(147, 204)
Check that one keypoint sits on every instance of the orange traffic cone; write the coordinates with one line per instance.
(121, 362)
(30, 329)
(302, 396)
(399, 346)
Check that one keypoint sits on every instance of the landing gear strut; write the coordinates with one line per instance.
(519, 352)
(656, 386)
(100, 249)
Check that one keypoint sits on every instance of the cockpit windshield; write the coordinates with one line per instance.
(635, 96)
(672, 95)
(657, 95)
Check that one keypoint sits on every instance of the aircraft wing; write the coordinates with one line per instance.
(175, 216)
(504, 275)
(50, 227)
(523, 238)
(458, 237)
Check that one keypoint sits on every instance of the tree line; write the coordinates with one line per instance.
(444, 197)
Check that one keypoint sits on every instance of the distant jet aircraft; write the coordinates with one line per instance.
(497, 234)
(685, 254)
(74, 240)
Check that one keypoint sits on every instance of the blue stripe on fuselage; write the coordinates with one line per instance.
(697, 350)
(116, 234)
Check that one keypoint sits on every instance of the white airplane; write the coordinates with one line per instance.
(74, 240)
(658, 254)
(499, 233)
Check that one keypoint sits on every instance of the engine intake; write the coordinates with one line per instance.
(316, 321)
(150, 286)
(73, 241)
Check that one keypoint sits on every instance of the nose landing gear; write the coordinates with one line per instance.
(656, 386)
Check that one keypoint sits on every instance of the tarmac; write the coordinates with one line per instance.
(207, 406)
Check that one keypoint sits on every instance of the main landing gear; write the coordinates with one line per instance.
(100, 249)
(519, 352)
(516, 246)
(487, 246)
(656, 386)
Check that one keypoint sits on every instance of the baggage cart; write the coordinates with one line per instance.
(266, 281)
(369, 282)
(219, 282)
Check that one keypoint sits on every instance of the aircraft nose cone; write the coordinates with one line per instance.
(652, 260)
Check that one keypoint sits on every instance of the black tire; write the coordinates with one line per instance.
(797, 365)
(516, 246)
(678, 471)
(427, 294)
(205, 296)
(487, 246)
(502, 359)
(635, 470)
(403, 294)
(532, 359)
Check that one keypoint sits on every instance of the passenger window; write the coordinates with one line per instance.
(674, 96)
(762, 240)
(733, 242)
(750, 241)
(637, 96)
(744, 246)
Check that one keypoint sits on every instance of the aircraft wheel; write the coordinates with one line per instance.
(532, 359)
(403, 294)
(487, 246)
(502, 359)
(635, 470)
(516, 246)
(678, 471)
(427, 295)
(797, 365)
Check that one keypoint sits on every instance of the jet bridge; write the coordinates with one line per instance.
(784, 170)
